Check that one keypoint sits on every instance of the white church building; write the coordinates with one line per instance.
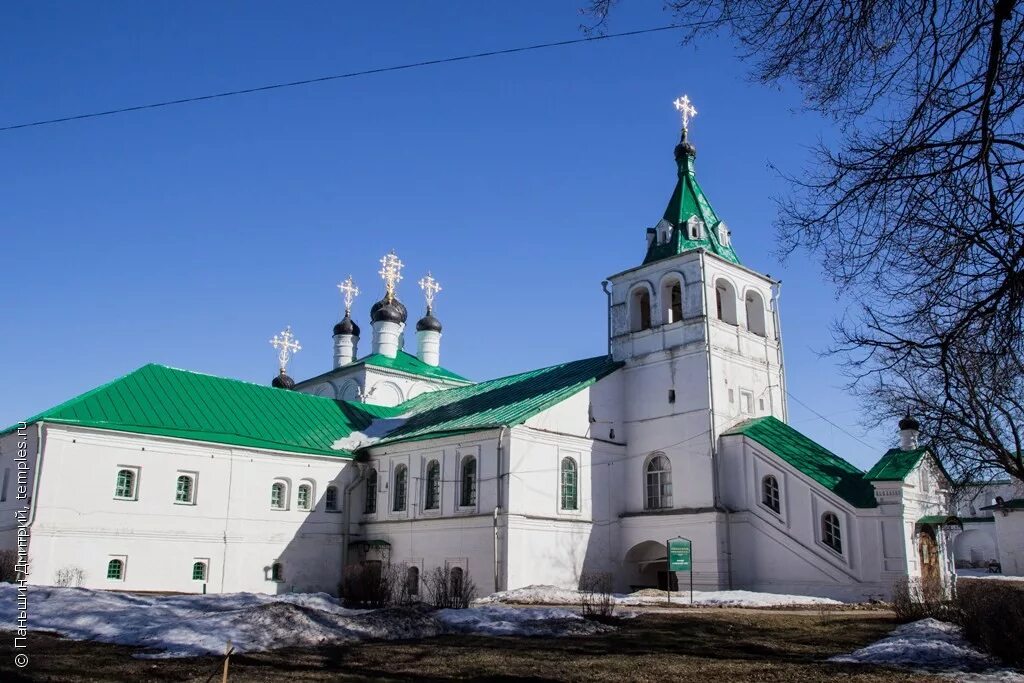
(171, 480)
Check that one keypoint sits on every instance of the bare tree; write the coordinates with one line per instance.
(917, 213)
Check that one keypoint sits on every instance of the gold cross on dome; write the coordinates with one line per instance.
(430, 288)
(391, 272)
(349, 291)
(287, 345)
(686, 110)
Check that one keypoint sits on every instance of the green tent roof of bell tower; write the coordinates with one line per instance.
(688, 201)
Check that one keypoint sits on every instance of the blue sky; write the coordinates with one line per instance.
(190, 235)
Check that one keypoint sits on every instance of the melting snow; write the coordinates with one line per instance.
(190, 625)
(551, 595)
(376, 431)
(934, 646)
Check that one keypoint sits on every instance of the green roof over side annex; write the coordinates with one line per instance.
(506, 401)
(164, 401)
(895, 465)
(403, 362)
(810, 458)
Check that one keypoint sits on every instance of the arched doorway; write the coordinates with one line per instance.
(928, 553)
(646, 566)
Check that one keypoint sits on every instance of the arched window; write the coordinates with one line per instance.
(672, 301)
(331, 499)
(724, 237)
(725, 301)
(115, 569)
(659, 483)
(399, 494)
(433, 497)
(370, 507)
(830, 533)
(455, 577)
(755, 313)
(570, 493)
(640, 309)
(468, 488)
(695, 228)
(279, 496)
(770, 493)
(125, 487)
(305, 497)
(199, 571)
(183, 492)
(412, 581)
(276, 572)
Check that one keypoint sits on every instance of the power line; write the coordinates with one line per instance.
(852, 436)
(351, 74)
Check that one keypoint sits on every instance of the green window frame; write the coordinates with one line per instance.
(331, 499)
(183, 489)
(401, 489)
(125, 487)
(570, 484)
(277, 495)
(468, 493)
(115, 569)
(276, 572)
(305, 495)
(433, 497)
(199, 571)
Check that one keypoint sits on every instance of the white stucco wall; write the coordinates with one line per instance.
(231, 526)
(1010, 535)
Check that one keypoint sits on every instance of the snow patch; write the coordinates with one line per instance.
(377, 430)
(193, 625)
(552, 595)
(933, 646)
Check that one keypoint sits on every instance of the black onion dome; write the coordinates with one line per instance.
(283, 381)
(685, 149)
(909, 423)
(389, 311)
(428, 322)
(347, 326)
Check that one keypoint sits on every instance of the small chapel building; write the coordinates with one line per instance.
(171, 480)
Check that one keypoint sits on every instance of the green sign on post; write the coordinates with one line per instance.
(680, 559)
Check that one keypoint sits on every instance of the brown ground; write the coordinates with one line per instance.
(691, 645)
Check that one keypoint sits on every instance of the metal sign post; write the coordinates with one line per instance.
(680, 559)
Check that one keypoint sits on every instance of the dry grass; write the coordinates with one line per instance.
(695, 645)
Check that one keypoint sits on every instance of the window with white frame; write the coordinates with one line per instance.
(304, 496)
(199, 570)
(400, 491)
(831, 534)
(432, 497)
(467, 497)
(370, 506)
(770, 493)
(747, 402)
(279, 495)
(658, 483)
(569, 485)
(331, 498)
(127, 485)
(115, 568)
(185, 488)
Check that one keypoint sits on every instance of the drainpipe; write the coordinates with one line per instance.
(713, 441)
(497, 508)
(36, 477)
(608, 295)
(346, 520)
(776, 295)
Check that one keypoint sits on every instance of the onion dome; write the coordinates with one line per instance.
(428, 323)
(347, 326)
(389, 311)
(685, 149)
(283, 381)
(909, 423)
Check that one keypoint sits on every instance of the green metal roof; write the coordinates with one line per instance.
(688, 200)
(507, 401)
(165, 401)
(403, 362)
(811, 458)
(941, 520)
(1013, 504)
(895, 465)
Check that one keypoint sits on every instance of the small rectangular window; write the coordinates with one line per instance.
(3, 491)
(747, 402)
(671, 395)
(760, 403)
(732, 396)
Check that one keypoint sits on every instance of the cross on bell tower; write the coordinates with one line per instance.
(287, 346)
